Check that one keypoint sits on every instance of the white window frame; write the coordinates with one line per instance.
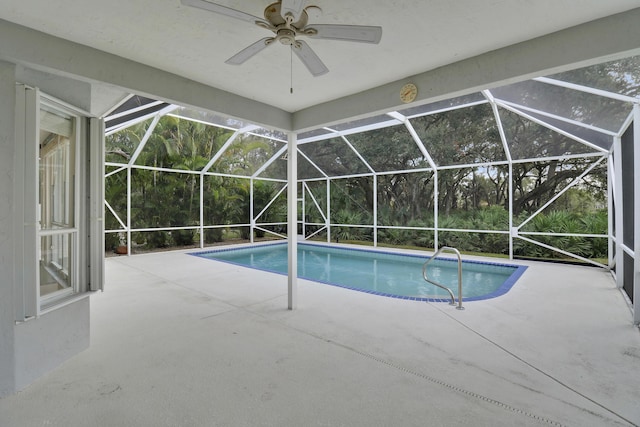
(73, 272)
(87, 233)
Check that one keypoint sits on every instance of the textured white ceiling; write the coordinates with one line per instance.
(418, 36)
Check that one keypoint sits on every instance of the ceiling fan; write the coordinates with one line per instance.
(288, 19)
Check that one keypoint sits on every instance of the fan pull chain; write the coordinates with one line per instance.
(291, 72)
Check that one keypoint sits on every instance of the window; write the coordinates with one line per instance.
(57, 203)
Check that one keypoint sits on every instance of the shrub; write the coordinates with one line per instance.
(213, 235)
(183, 237)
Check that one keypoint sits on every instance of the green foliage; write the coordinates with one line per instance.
(111, 241)
(346, 216)
(566, 222)
(183, 237)
(472, 197)
(497, 219)
(158, 239)
(389, 149)
(163, 198)
(468, 135)
(213, 235)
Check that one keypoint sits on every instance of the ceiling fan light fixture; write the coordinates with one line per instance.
(286, 36)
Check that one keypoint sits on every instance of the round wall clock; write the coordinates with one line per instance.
(408, 93)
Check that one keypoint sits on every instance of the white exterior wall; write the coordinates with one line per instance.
(43, 344)
(30, 349)
(7, 236)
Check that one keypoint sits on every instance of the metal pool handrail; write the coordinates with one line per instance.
(433, 282)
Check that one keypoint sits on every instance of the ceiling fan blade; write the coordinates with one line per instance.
(309, 58)
(222, 10)
(294, 7)
(351, 33)
(248, 52)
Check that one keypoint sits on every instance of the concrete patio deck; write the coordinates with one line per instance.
(179, 340)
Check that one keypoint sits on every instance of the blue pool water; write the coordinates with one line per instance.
(382, 273)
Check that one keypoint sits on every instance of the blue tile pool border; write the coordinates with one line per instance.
(503, 289)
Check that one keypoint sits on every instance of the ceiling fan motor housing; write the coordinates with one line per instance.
(286, 36)
(273, 14)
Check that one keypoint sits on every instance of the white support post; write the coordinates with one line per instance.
(375, 210)
(435, 209)
(26, 221)
(201, 210)
(304, 211)
(617, 191)
(252, 221)
(19, 219)
(636, 213)
(96, 205)
(292, 221)
(129, 209)
(505, 146)
(328, 210)
(510, 189)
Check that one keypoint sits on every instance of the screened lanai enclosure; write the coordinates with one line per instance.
(539, 169)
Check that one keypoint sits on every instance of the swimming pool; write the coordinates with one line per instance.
(378, 272)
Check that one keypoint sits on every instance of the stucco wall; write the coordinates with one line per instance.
(41, 345)
(30, 349)
(7, 173)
